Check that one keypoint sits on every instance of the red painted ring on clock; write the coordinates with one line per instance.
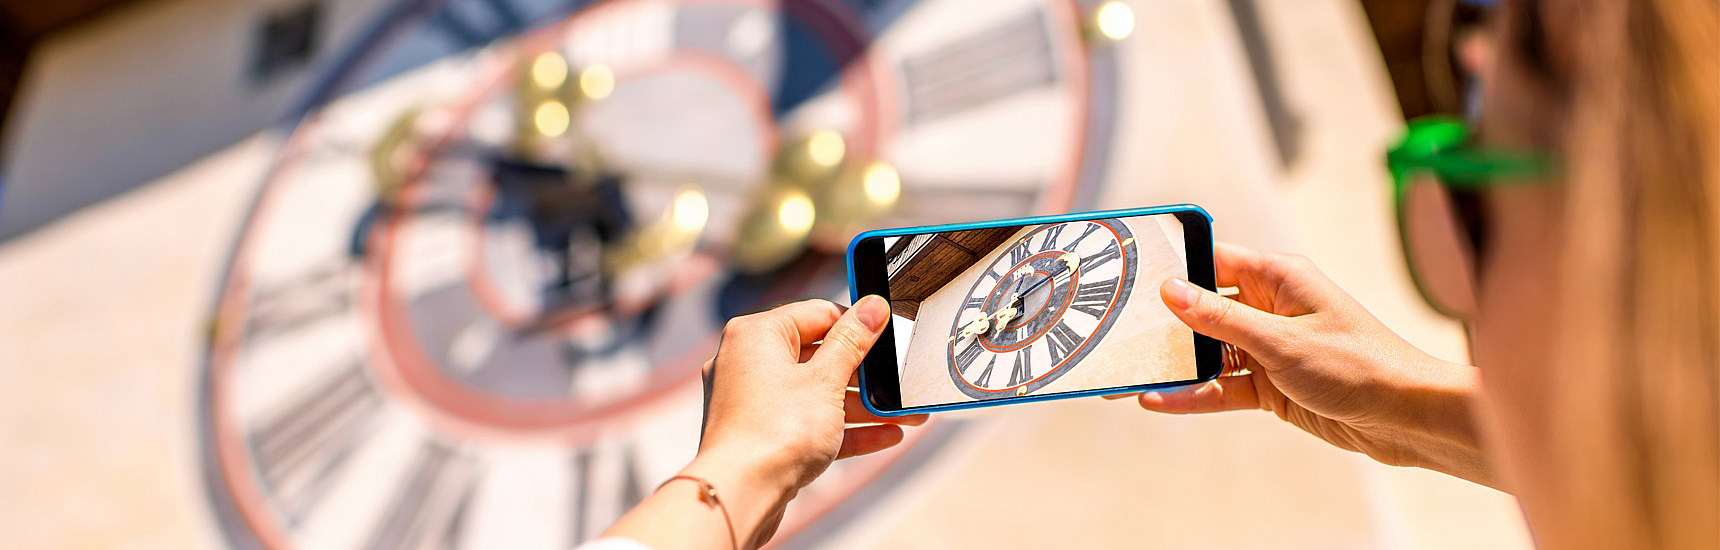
(1048, 372)
(1024, 342)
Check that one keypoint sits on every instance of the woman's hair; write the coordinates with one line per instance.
(1635, 107)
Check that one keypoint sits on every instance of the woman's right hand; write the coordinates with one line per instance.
(1321, 362)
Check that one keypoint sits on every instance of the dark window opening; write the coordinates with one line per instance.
(285, 40)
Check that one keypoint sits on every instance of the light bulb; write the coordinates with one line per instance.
(826, 148)
(549, 70)
(1116, 21)
(597, 81)
(795, 213)
(551, 118)
(882, 184)
(690, 210)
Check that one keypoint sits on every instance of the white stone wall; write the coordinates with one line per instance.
(137, 92)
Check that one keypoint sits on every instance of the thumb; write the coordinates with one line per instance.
(851, 337)
(1222, 318)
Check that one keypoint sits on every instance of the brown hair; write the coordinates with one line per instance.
(1636, 395)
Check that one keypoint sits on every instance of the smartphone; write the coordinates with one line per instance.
(1031, 309)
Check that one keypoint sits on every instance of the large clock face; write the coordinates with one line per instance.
(469, 306)
(1040, 307)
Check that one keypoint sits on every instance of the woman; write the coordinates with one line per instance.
(1592, 293)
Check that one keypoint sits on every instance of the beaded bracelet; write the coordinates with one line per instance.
(708, 495)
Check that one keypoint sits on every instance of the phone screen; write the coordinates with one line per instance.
(1027, 310)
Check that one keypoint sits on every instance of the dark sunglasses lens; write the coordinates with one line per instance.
(1440, 255)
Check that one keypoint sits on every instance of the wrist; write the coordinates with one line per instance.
(1437, 401)
(680, 513)
(749, 488)
(1441, 400)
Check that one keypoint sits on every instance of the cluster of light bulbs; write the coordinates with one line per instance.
(551, 117)
(795, 210)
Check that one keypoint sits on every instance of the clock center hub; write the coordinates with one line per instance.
(1032, 304)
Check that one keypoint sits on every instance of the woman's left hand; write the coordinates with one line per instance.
(777, 391)
(776, 408)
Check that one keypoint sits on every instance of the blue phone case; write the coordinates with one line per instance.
(854, 294)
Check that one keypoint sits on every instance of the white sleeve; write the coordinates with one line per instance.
(613, 543)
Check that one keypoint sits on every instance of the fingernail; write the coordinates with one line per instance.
(872, 312)
(1181, 293)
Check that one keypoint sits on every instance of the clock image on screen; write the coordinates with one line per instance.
(469, 305)
(1013, 311)
(1039, 308)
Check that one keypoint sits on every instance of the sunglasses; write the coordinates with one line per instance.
(1438, 177)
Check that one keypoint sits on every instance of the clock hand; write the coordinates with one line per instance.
(1020, 275)
(1048, 278)
(1009, 310)
(1070, 263)
(977, 327)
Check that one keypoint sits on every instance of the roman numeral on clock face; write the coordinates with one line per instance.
(1111, 252)
(301, 445)
(1077, 242)
(1061, 341)
(990, 65)
(607, 487)
(967, 356)
(977, 302)
(1049, 236)
(1094, 298)
(304, 299)
(1018, 254)
(985, 377)
(431, 502)
(1023, 370)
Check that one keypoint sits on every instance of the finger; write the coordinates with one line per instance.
(1231, 263)
(865, 440)
(1116, 396)
(854, 412)
(1240, 266)
(1254, 271)
(806, 352)
(1229, 320)
(1230, 393)
(811, 319)
(846, 343)
(782, 331)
